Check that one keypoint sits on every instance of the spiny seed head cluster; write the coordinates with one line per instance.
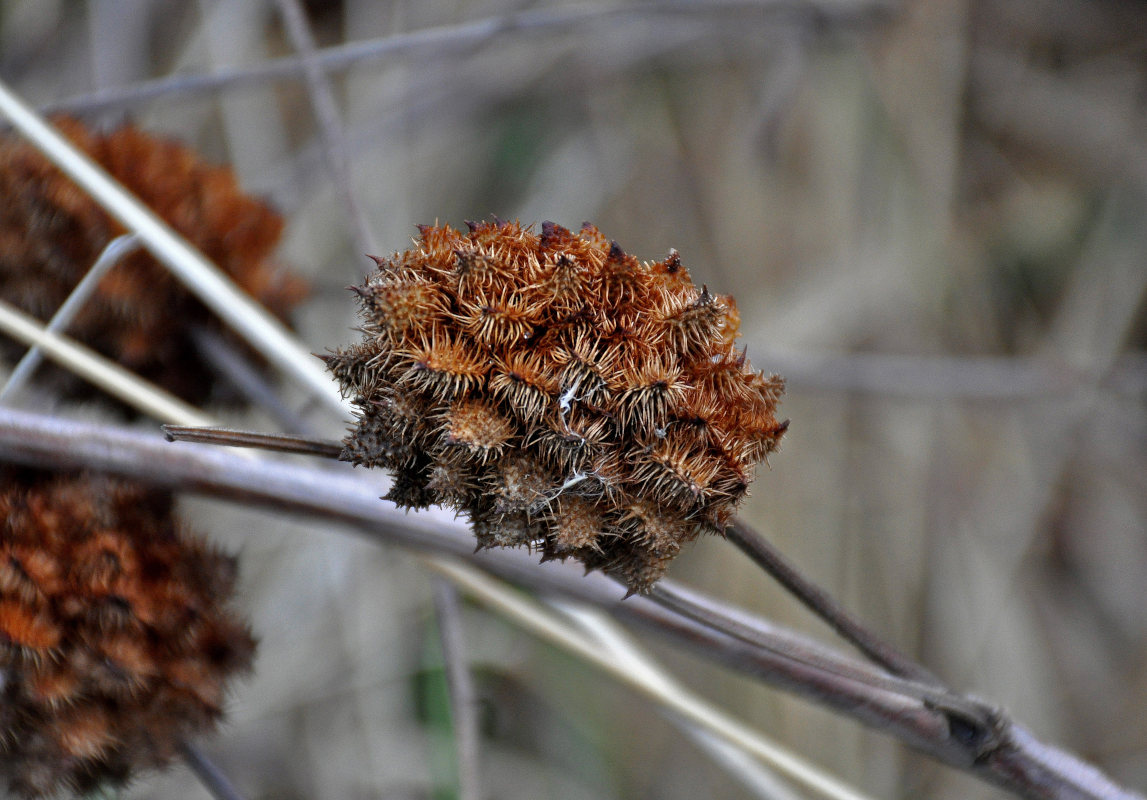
(51, 233)
(115, 639)
(559, 392)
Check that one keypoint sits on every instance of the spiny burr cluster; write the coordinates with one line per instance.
(115, 639)
(559, 392)
(51, 232)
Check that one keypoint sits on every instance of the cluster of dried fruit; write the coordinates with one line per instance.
(115, 642)
(51, 232)
(115, 638)
(559, 392)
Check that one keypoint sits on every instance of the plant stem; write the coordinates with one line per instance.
(276, 442)
(212, 778)
(821, 603)
(460, 685)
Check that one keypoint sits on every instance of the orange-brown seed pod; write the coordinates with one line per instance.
(646, 393)
(573, 399)
(520, 484)
(497, 319)
(525, 383)
(576, 524)
(28, 572)
(53, 686)
(477, 427)
(96, 665)
(692, 327)
(396, 304)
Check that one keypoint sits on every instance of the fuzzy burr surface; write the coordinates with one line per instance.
(557, 391)
(116, 640)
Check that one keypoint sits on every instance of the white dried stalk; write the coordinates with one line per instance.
(641, 674)
(246, 317)
(101, 372)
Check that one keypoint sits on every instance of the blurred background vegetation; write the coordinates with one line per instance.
(931, 214)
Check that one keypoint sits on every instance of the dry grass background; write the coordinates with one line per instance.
(932, 216)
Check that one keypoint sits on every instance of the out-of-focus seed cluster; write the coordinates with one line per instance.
(559, 392)
(115, 639)
(51, 232)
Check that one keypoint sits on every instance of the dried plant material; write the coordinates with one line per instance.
(51, 233)
(115, 640)
(560, 393)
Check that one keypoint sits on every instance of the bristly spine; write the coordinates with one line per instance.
(559, 392)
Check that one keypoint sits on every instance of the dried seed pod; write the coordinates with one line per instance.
(115, 641)
(51, 233)
(477, 429)
(441, 366)
(588, 404)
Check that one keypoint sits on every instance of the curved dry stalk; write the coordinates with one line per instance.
(1007, 755)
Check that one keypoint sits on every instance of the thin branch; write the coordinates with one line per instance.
(821, 603)
(212, 778)
(1007, 756)
(464, 36)
(331, 131)
(977, 719)
(275, 442)
(460, 686)
(116, 249)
